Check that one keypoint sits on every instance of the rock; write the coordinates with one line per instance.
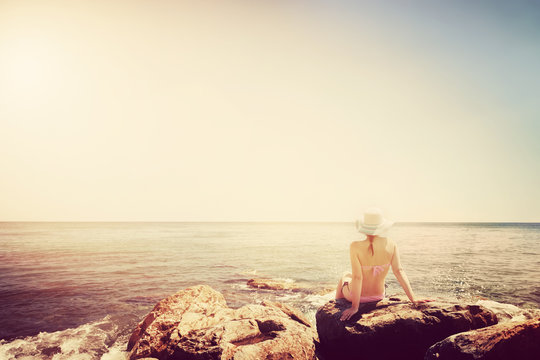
(507, 312)
(326, 291)
(276, 284)
(196, 323)
(509, 340)
(394, 327)
(288, 285)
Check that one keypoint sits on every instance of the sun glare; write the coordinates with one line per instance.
(30, 66)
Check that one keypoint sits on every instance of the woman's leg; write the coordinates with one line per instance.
(345, 278)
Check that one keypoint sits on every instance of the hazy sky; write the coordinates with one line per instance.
(269, 110)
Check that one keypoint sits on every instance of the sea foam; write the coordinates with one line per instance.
(98, 340)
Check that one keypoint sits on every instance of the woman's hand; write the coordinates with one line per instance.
(347, 314)
(421, 301)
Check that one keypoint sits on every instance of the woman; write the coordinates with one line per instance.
(371, 260)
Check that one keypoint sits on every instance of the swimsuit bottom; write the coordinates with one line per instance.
(372, 298)
(365, 299)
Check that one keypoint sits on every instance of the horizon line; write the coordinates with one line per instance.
(260, 221)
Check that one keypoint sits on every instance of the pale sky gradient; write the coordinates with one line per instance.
(269, 110)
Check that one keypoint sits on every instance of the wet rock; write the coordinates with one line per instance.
(508, 340)
(507, 312)
(393, 328)
(196, 323)
(288, 285)
(276, 284)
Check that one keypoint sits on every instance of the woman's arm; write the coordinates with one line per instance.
(398, 271)
(356, 283)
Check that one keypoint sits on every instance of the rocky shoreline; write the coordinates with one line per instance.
(196, 323)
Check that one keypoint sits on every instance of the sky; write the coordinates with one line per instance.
(269, 110)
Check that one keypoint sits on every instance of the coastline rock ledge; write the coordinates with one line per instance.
(509, 340)
(196, 323)
(394, 328)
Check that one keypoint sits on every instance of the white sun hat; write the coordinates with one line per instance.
(373, 222)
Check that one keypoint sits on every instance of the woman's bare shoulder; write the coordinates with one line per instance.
(389, 245)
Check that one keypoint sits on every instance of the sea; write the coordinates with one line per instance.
(76, 290)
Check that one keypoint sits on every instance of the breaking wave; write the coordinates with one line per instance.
(100, 340)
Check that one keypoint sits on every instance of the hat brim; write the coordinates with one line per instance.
(379, 230)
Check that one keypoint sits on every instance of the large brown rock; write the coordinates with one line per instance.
(394, 328)
(196, 323)
(509, 340)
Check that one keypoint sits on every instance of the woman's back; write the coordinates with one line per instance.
(375, 257)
